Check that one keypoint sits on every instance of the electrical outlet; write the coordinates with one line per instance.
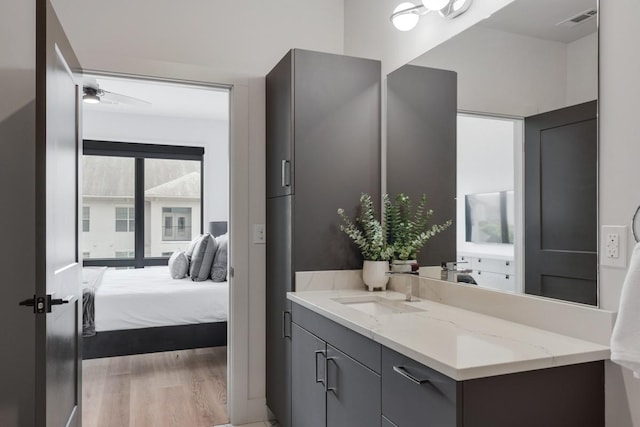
(612, 245)
(259, 236)
(613, 251)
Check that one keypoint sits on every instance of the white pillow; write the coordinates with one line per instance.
(202, 258)
(219, 266)
(178, 265)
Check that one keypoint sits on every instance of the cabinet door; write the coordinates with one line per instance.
(308, 353)
(278, 315)
(337, 153)
(353, 392)
(421, 145)
(414, 395)
(279, 123)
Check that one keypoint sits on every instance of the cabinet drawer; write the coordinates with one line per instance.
(407, 403)
(359, 347)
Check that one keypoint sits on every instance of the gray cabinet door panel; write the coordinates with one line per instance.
(421, 148)
(407, 404)
(279, 282)
(308, 406)
(353, 396)
(337, 153)
(279, 123)
(359, 347)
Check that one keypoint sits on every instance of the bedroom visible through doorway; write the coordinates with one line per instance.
(155, 221)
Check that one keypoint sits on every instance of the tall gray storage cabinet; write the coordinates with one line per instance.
(323, 151)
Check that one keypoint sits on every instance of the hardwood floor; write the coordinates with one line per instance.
(185, 388)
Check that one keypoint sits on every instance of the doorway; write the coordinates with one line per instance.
(156, 179)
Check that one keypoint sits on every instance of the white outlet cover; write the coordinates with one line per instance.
(609, 235)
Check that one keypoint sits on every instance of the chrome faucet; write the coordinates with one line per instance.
(450, 270)
(409, 278)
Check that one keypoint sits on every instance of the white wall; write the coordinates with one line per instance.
(506, 73)
(503, 73)
(619, 172)
(582, 70)
(485, 163)
(213, 135)
(17, 175)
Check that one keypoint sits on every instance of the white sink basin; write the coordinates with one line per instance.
(376, 305)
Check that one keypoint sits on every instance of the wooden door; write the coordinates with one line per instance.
(561, 222)
(58, 303)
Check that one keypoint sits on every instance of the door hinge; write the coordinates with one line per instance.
(42, 305)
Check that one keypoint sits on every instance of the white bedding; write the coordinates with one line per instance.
(148, 297)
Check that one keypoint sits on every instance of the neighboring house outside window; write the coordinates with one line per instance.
(176, 224)
(125, 219)
(86, 219)
(124, 254)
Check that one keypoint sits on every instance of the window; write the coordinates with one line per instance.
(145, 200)
(86, 219)
(176, 224)
(125, 219)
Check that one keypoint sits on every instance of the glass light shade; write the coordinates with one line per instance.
(406, 21)
(91, 99)
(435, 4)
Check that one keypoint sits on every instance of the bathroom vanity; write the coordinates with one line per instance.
(372, 359)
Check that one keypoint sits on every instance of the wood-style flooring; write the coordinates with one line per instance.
(185, 388)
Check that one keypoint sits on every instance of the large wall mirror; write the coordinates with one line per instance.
(498, 126)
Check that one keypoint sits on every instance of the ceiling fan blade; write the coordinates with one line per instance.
(90, 82)
(124, 99)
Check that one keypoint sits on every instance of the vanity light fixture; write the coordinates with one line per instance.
(406, 15)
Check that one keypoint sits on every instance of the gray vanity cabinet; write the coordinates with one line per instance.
(331, 387)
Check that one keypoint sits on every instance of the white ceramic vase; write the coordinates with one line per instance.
(374, 274)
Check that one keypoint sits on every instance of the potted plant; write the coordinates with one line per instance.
(407, 232)
(368, 234)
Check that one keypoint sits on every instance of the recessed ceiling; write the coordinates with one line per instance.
(539, 19)
(167, 99)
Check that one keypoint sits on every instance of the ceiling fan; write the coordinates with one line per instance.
(93, 94)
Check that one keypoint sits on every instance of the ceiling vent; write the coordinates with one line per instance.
(579, 18)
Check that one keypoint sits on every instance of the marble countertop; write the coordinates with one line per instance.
(459, 343)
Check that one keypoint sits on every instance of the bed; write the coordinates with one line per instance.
(133, 311)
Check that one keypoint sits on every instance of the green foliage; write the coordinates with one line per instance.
(406, 233)
(366, 231)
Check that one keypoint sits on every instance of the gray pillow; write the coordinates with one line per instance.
(219, 267)
(202, 258)
(178, 265)
(192, 245)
